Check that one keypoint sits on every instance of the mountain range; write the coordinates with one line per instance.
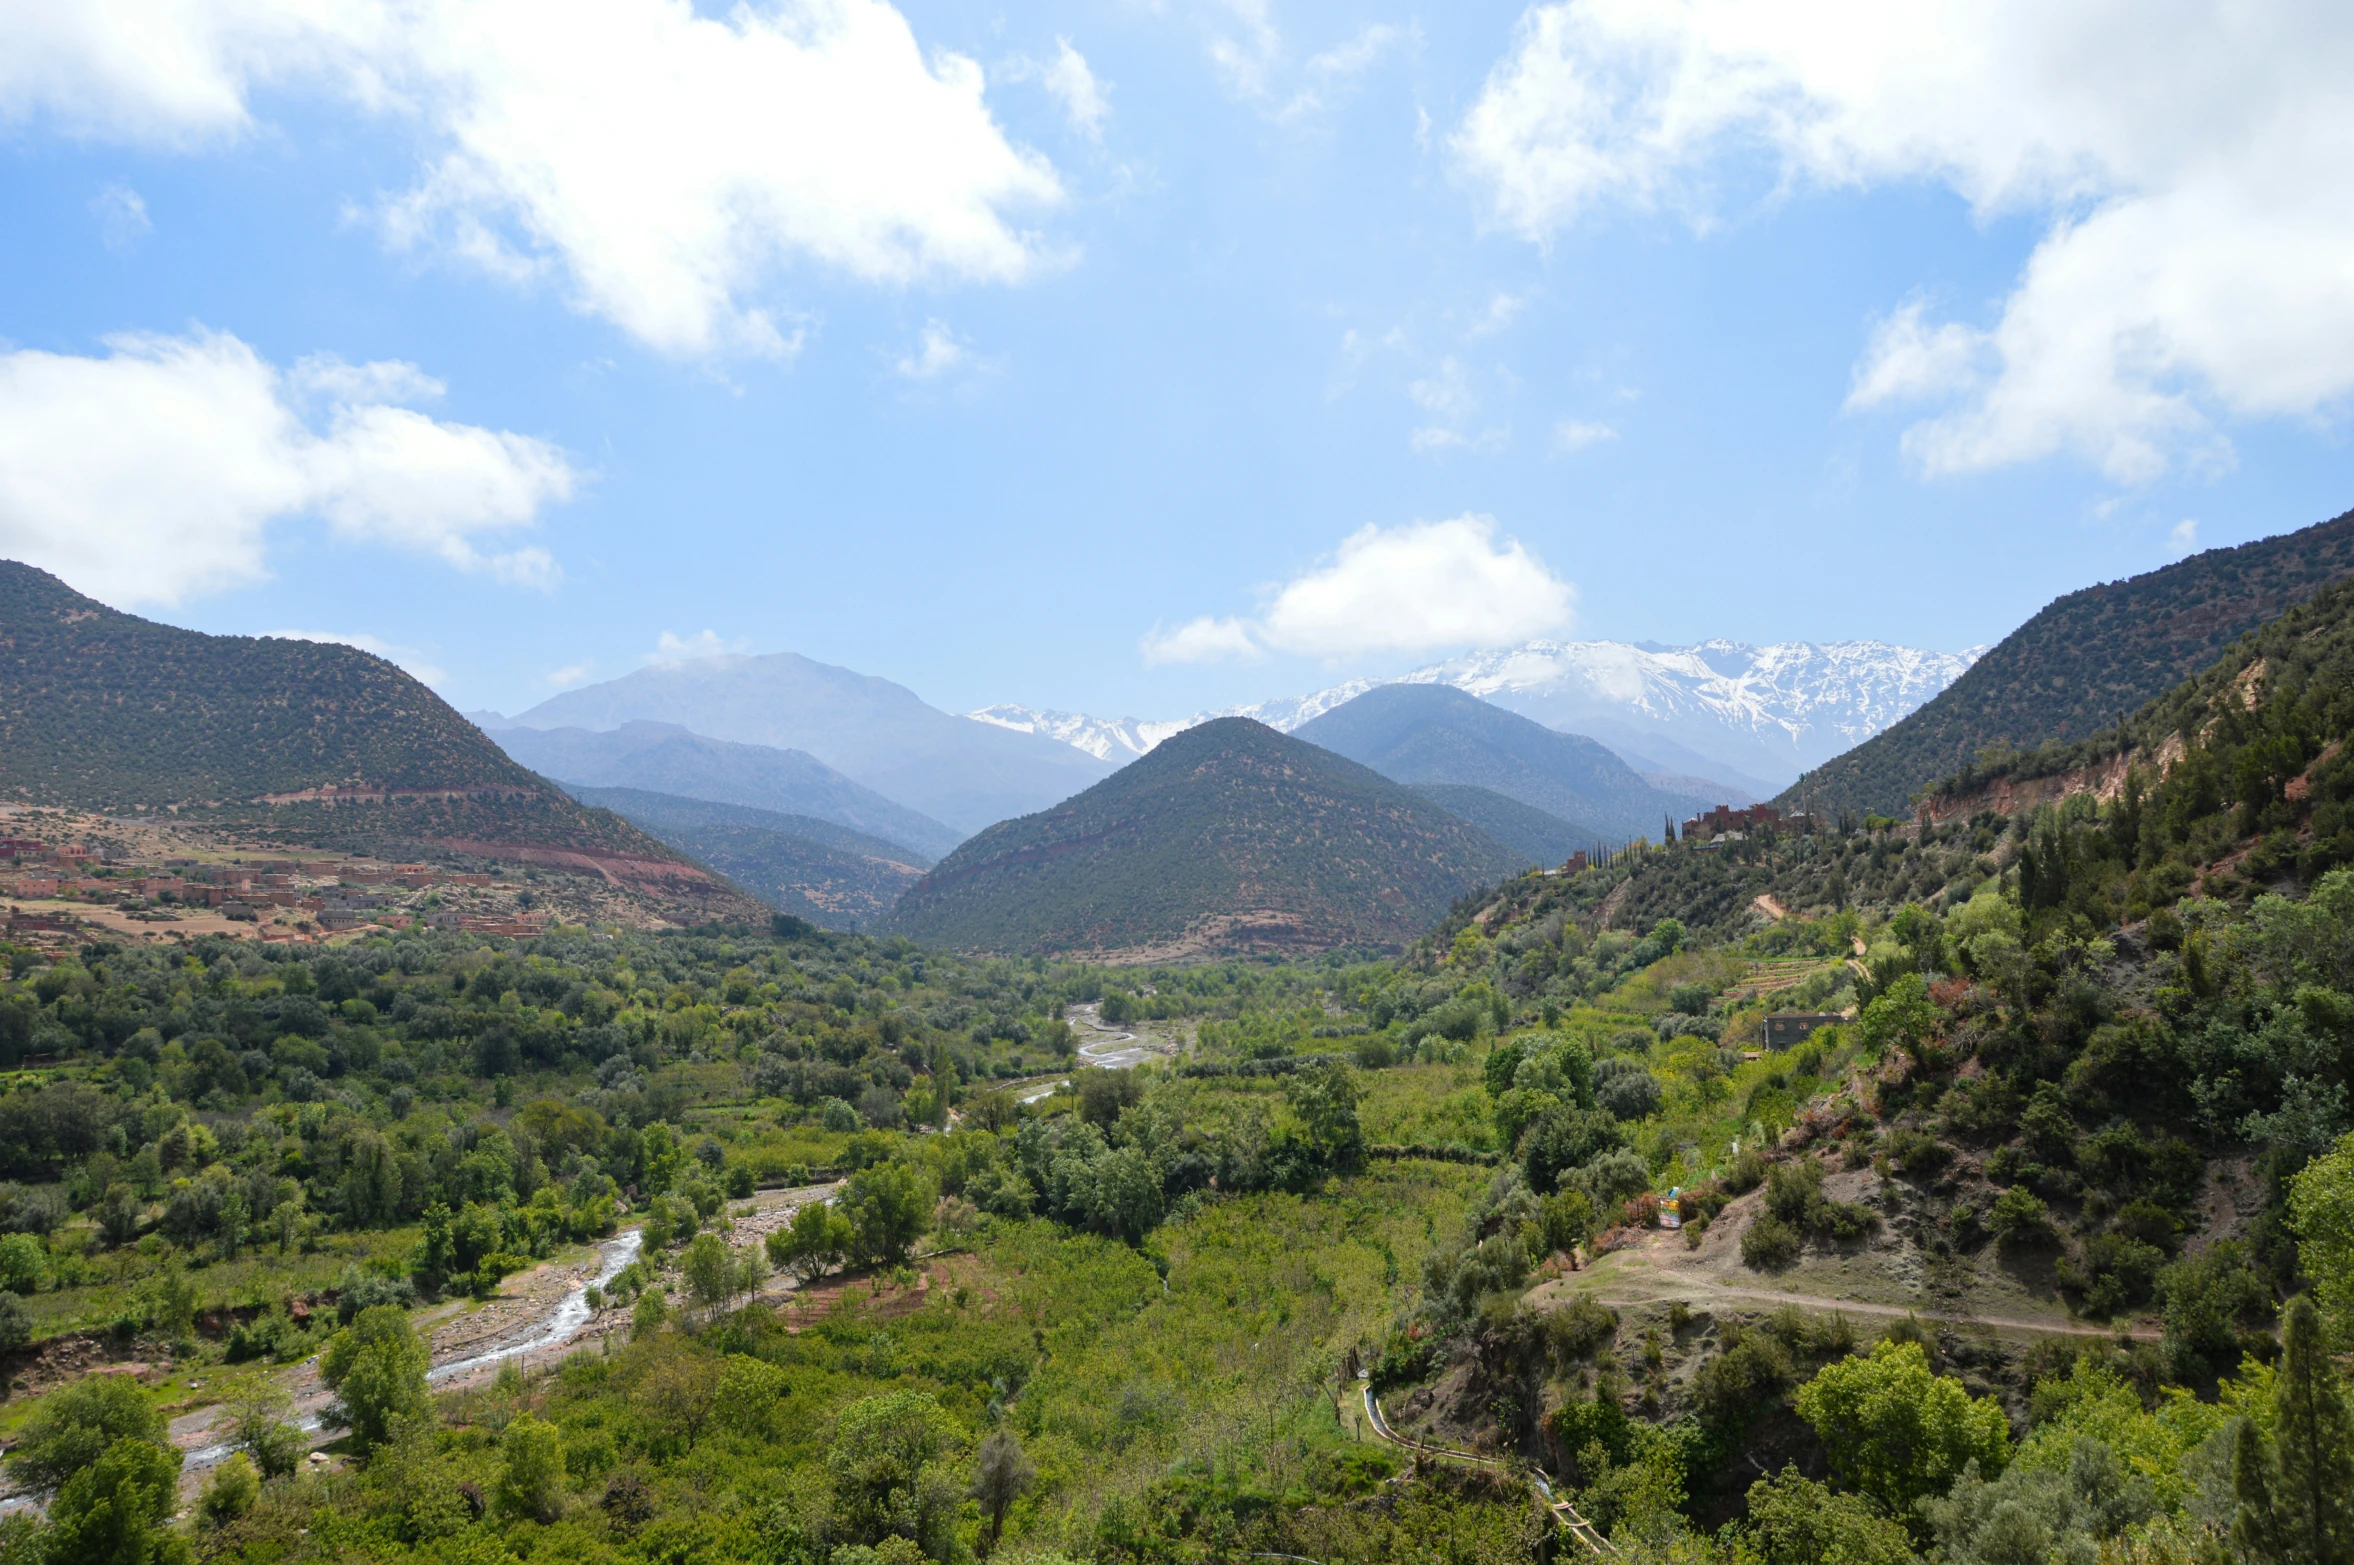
(1697, 721)
(1227, 837)
(815, 869)
(2084, 663)
(665, 759)
(876, 733)
(1435, 734)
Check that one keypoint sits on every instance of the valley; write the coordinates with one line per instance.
(1271, 1149)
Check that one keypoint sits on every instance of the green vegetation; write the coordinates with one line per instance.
(1229, 818)
(2082, 664)
(1536, 837)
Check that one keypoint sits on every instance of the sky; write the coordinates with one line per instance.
(1141, 358)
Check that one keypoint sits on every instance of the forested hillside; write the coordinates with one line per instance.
(103, 710)
(1437, 734)
(1227, 835)
(814, 869)
(2083, 663)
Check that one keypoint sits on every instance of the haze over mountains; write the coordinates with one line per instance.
(879, 734)
(1733, 715)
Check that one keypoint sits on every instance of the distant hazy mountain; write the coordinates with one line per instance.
(1533, 836)
(1742, 717)
(1228, 837)
(1436, 734)
(880, 734)
(826, 873)
(2087, 661)
(663, 758)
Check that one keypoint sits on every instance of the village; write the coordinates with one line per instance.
(65, 875)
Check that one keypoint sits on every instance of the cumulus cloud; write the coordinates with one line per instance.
(1074, 86)
(152, 475)
(2184, 539)
(2190, 172)
(670, 647)
(409, 658)
(661, 163)
(569, 675)
(1416, 588)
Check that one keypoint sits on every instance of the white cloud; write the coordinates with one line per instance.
(1248, 49)
(409, 658)
(122, 217)
(939, 353)
(2188, 163)
(664, 164)
(1204, 640)
(1416, 588)
(1075, 87)
(569, 675)
(1502, 310)
(1339, 67)
(672, 648)
(2184, 539)
(152, 475)
(1573, 434)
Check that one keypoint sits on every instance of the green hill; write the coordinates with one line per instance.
(2083, 663)
(1538, 838)
(828, 874)
(1229, 836)
(1437, 734)
(104, 710)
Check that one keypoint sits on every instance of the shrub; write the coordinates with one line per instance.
(1770, 1243)
(231, 1492)
(376, 1366)
(2020, 1221)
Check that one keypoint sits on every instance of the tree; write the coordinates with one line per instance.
(258, 1428)
(2296, 1488)
(1896, 1431)
(1795, 1521)
(1902, 1017)
(813, 1244)
(531, 1484)
(748, 1391)
(376, 1367)
(76, 1424)
(1001, 1472)
(230, 1493)
(888, 1206)
(116, 1511)
(887, 1472)
(710, 1276)
(2321, 1210)
(1325, 1099)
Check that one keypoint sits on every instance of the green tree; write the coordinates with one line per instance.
(117, 1510)
(1795, 1521)
(24, 1263)
(813, 1243)
(231, 1490)
(2321, 1210)
(76, 1424)
(1001, 1472)
(1896, 1431)
(746, 1401)
(531, 1481)
(1902, 1017)
(709, 1274)
(1325, 1099)
(889, 1206)
(889, 1473)
(376, 1367)
(259, 1429)
(2296, 1487)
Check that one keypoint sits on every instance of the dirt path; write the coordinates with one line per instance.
(1702, 1288)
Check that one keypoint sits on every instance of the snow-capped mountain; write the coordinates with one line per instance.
(1753, 717)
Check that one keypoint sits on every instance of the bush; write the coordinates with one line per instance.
(2020, 1221)
(360, 1290)
(73, 1426)
(231, 1492)
(376, 1366)
(2117, 1273)
(1770, 1243)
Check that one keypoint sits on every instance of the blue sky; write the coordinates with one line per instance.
(1138, 358)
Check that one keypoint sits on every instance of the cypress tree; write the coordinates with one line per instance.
(2296, 1490)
